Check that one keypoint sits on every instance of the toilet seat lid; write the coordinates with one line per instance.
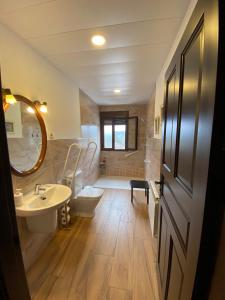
(91, 192)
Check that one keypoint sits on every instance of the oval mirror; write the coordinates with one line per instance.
(26, 134)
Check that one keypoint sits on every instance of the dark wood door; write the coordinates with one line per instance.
(190, 88)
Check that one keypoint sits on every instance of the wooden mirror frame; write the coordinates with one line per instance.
(43, 133)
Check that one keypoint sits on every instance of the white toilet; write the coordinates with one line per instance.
(86, 199)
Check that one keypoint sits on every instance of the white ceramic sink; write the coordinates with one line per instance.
(33, 205)
(41, 210)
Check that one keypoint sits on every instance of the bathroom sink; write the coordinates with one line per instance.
(34, 205)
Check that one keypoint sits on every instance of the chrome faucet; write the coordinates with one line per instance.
(40, 189)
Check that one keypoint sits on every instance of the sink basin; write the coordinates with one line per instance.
(56, 195)
(41, 214)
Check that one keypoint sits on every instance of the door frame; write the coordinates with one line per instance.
(13, 283)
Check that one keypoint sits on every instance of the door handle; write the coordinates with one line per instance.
(158, 182)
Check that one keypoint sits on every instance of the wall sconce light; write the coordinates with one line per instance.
(8, 97)
(41, 106)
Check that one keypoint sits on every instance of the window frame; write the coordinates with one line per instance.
(113, 117)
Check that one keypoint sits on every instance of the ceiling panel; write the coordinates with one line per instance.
(129, 64)
(109, 82)
(52, 17)
(154, 53)
(138, 36)
(133, 87)
(9, 6)
(123, 35)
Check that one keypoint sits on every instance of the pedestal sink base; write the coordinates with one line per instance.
(45, 223)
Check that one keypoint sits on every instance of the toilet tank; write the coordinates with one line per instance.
(78, 183)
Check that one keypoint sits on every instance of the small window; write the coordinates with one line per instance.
(118, 131)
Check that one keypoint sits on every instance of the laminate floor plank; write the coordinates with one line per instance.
(127, 211)
(106, 241)
(122, 269)
(43, 292)
(142, 226)
(118, 294)
(151, 266)
(92, 283)
(142, 286)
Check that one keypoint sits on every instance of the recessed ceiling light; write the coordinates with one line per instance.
(98, 40)
(117, 91)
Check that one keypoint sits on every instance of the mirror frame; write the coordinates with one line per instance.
(43, 133)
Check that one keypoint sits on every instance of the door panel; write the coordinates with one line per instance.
(187, 133)
(163, 246)
(176, 275)
(171, 258)
(168, 159)
(190, 89)
(178, 217)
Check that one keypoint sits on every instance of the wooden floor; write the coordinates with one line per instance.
(108, 257)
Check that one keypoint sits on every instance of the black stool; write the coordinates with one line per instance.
(139, 184)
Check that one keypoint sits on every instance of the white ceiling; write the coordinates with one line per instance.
(138, 33)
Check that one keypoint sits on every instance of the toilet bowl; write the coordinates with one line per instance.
(86, 200)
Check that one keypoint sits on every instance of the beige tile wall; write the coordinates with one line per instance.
(116, 162)
(90, 129)
(153, 145)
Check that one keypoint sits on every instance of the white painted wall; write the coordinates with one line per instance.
(27, 73)
(159, 97)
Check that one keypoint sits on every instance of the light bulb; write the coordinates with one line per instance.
(117, 91)
(98, 40)
(43, 107)
(10, 99)
(30, 110)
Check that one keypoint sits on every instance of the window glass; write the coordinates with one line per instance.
(120, 137)
(107, 136)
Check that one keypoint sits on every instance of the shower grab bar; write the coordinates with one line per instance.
(76, 162)
(86, 153)
(130, 154)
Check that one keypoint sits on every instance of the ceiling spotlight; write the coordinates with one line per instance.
(117, 91)
(98, 40)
